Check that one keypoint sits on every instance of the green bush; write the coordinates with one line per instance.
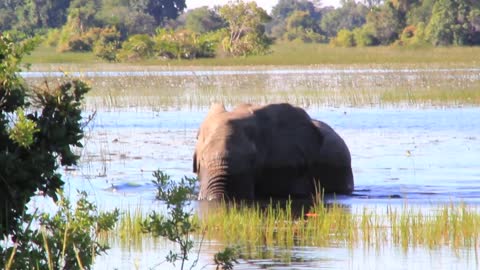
(179, 224)
(185, 44)
(107, 44)
(52, 38)
(304, 35)
(137, 47)
(86, 41)
(36, 135)
(68, 239)
(413, 36)
(344, 38)
(364, 36)
(106, 51)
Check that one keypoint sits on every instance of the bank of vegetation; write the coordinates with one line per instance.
(121, 30)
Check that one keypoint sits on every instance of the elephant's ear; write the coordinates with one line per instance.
(195, 167)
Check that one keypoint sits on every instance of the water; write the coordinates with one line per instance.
(423, 156)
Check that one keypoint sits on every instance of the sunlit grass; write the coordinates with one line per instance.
(283, 54)
(128, 231)
(389, 88)
(454, 226)
(257, 229)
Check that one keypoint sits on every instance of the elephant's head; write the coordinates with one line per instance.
(225, 154)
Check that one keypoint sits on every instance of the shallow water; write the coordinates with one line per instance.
(420, 156)
(423, 157)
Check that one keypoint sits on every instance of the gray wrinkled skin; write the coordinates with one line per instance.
(271, 151)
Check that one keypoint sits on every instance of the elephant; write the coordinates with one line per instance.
(269, 151)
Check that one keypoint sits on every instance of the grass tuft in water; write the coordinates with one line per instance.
(256, 228)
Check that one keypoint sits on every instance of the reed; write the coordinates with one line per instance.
(340, 88)
(454, 226)
(128, 231)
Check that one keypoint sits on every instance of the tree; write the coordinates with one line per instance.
(81, 14)
(203, 19)
(344, 38)
(7, 19)
(386, 23)
(161, 10)
(349, 16)
(450, 23)
(48, 13)
(420, 12)
(137, 47)
(36, 135)
(284, 9)
(300, 26)
(246, 30)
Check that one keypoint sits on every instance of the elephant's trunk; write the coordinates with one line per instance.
(213, 182)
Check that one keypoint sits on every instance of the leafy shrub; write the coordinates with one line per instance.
(86, 41)
(107, 44)
(185, 44)
(176, 44)
(136, 47)
(106, 51)
(365, 36)
(413, 36)
(50, 126)
(69, 239)
(179, 224)
(208, 43)
(52, 38)
(304, 35)
(79, 43)
(344, 38)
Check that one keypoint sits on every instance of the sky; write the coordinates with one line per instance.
(265, 4)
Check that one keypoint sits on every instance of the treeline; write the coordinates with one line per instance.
(125, 30)
(377, 22)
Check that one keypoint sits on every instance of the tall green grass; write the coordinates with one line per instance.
(454, 226)
(258, 230)
(392, 88)
(285, 54)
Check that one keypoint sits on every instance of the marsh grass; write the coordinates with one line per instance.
(128, 231)
(255, 229)
(273, 230)
(360, 88)
(282, 54)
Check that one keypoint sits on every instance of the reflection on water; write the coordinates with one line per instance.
(424, 157)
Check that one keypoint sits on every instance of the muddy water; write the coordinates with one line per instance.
(423, 156)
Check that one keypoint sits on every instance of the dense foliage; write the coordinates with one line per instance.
(37, 130)
(240, 27)
(66, 239)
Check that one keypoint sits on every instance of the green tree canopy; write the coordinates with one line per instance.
(349, 16)
(453, 22)
(386, 23)
(246, 30)
(284, 9)
(203, 19)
